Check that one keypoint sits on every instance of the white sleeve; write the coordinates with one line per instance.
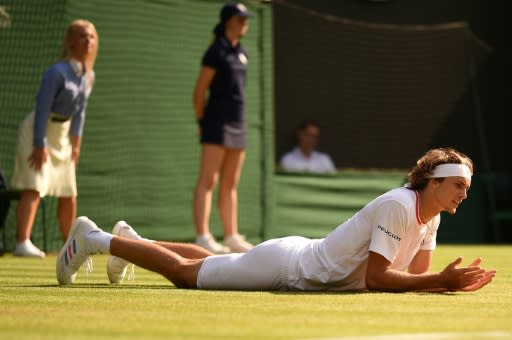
(282, 161)
(322, 163)
(330, 164)
(388, 229)
(289, 163)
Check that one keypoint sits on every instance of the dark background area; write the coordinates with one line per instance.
(382, 95)
(388, 80)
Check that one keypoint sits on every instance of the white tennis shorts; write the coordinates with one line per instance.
(264, 267)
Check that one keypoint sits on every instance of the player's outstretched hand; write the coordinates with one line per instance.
(487, 278)
(469, 278)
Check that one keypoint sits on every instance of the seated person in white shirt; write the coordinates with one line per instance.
(304, 157)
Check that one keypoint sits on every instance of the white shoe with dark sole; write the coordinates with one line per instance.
(116, 266)
(75, 251)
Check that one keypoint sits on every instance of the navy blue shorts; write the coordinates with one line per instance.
(232, 135)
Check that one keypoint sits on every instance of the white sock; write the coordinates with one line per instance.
(100, 241)
(26, 243)
(203, 237)
(131, 233)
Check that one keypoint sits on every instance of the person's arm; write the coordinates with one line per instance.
(380, 277)
(78, 120)
(76, 142)
(50, 85)
(420, 264)
(75, 132)
(38, 157)
(203, 82)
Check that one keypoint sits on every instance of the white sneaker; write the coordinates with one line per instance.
(237, 243)
(75, 251)
(116, 266)
(27, 248)
(208, 242)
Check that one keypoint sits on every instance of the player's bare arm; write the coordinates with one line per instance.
(421, 262)
(380, 277)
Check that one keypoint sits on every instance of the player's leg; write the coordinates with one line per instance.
(85, 238)
(117, 267)
(187, 250)
(180, 271)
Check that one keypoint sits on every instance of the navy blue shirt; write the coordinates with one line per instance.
(226, 99)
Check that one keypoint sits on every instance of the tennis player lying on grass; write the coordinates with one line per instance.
(386, 246)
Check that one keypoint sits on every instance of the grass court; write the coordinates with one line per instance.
(34, 306)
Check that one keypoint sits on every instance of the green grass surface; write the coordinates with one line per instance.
(33, 306)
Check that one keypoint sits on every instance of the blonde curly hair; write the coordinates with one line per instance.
(419, 175)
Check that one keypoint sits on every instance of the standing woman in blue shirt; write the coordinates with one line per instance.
(222, 120)
(49, 138)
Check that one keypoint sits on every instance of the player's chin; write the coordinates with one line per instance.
(451, 210)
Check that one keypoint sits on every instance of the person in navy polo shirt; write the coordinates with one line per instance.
(222, 120)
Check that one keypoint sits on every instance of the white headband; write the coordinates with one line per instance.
(451, 170)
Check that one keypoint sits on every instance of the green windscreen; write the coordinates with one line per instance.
(140, 150)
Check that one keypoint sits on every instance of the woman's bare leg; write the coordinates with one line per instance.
(211, 160)
(26, 214)
(228, 194)
(66, 211)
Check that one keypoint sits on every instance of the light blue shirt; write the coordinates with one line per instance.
(317, 162)
(64, 90)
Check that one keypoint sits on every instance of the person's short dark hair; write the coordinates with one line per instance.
(307, 122)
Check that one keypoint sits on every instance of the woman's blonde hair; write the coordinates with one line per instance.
(67, 51)
(419, 175)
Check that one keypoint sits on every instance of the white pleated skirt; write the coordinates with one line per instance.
(58, 175)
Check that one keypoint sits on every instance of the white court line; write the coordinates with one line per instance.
(427, 336)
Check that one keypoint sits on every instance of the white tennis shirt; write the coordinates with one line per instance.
(318, 162)
(389, 225)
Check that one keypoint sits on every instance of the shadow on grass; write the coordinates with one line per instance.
(91, 285)
(358, 292)
(314, 292)
(171, 287)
